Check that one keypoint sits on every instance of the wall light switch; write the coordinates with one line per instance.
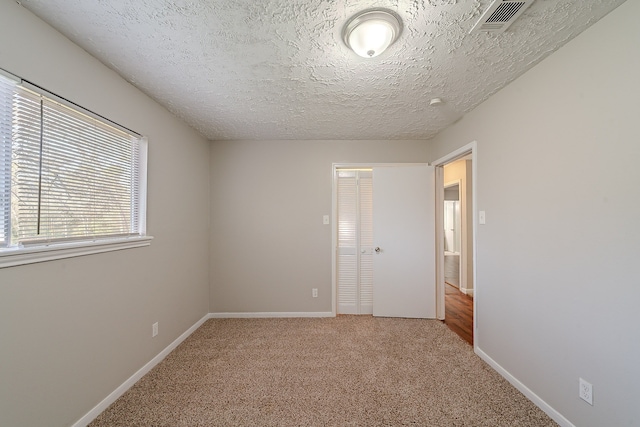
(325, 219)
(482, 218)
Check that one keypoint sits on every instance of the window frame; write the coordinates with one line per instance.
(11, 257)
(47, 251)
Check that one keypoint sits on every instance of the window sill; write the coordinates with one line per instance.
(20, 256)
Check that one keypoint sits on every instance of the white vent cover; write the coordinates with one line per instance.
(500, 15)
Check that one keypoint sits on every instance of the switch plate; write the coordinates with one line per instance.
(154, 329)
(325, 219)
(482, 218)
(314, 292)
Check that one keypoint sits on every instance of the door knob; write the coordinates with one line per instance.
(377, 249)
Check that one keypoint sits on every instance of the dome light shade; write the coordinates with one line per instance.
(371, 32)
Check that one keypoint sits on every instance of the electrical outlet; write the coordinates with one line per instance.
(314, 292)
(154, 329)
(586, 392)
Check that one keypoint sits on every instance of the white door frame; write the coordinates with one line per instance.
(334, 217)
(470, 148)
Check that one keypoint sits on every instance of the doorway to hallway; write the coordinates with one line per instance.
(458, 247)
(456, 242)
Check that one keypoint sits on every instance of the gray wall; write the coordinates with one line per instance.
(269, 247)
(72, 331)
(557, 286)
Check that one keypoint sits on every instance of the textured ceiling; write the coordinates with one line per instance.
(278, 69)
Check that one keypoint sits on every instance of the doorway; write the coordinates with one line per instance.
(457, 293)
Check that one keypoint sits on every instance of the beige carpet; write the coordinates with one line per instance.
(344, 371)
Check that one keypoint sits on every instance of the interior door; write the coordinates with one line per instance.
(404, 279)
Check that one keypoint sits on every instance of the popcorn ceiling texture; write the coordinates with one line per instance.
(278, 69)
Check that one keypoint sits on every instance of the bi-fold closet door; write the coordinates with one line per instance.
(355, 241)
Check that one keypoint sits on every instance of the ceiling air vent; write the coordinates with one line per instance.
(500, 15)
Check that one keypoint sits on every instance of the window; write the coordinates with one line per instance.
(68, 179)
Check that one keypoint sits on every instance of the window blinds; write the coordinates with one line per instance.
(72, 177)
(6, 101)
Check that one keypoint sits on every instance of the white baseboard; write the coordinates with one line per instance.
(555, 415)
(100, 407)
(467, 291)
(270, 314)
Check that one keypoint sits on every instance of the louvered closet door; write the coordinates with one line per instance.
(355, 242)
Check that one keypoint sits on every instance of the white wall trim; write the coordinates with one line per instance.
(114, 395)
(12, 257)
(555, 415)
(467, 291)
(251, 315)
(455, 154)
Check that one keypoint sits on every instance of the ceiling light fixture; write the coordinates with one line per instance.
(371, 32)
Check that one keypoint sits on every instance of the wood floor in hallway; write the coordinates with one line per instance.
(458, 315)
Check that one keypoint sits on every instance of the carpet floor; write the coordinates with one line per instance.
(343, 371)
